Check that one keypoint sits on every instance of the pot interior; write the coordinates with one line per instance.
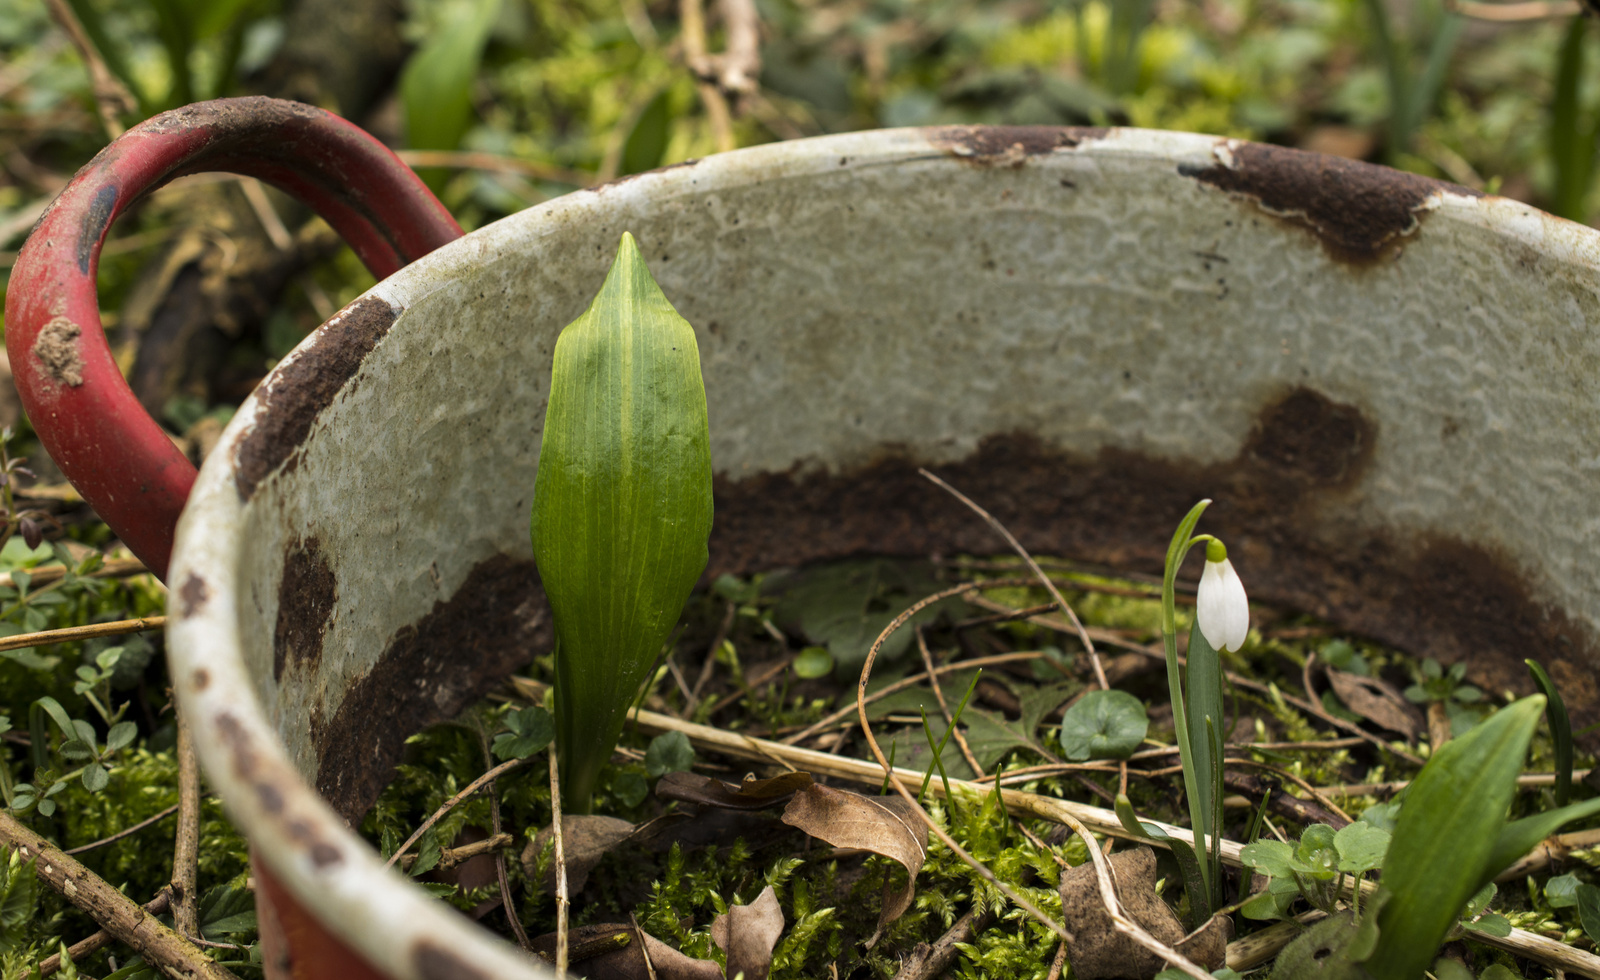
(1385, 383)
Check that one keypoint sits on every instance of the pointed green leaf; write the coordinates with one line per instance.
(436, 83)
(1445, 836)
(1521, 836)
(621, 505)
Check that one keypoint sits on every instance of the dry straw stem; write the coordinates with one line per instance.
(115, 568)
(691, 16)
(561, 865)
(83, 632)
(495, 163)
(111, 97)
(1033, 566)
(449, 857)
(1510, 12)
(115, 912)
(1557, 848)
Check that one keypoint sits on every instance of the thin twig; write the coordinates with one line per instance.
(96, 941)
(449, 857)
(93, 630)
(561, 866)
(452, 802)
(739, 68)
(495, 163)
(1321, 745)
(495, 834)
(755, 684)
(710, 663)
(111, 98)
(928, 962)
(1020, 900)
(912, 681)
(692, 19)
(112, 910)
(1282, 773)
(944, 706)
(1530, 780)
(271, 223)
(1236, 679)
(102, 842)
(186, 846)
(1055, 593)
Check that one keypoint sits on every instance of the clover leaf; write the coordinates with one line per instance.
(1103, 725)
(532, 729)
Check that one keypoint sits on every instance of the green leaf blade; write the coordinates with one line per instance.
(1445, 835)
(622, 505)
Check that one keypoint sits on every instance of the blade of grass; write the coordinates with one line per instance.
(1555, 715)
(1571, 154)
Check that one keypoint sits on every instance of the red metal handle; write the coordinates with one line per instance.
(86, 415)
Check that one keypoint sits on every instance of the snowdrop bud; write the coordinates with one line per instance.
(1221, 609)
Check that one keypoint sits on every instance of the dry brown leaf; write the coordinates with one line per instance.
(747, 933)
(752, 794)
(612, 951)
(1377, 702)
(585, 839)
(881, 824)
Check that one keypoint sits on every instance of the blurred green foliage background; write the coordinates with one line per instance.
(502, 104)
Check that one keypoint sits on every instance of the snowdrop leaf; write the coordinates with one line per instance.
(1441, 848)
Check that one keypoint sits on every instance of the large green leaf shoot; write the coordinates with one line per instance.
(621, 506)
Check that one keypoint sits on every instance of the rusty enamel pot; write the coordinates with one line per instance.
(1386, 383)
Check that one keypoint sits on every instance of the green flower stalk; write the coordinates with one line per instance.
(1223, 612)
(621, 506)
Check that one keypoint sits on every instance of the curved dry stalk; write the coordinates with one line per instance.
(944, 705)
(1055, 593)
(1010, 893)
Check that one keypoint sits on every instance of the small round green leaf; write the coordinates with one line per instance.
(1361, 847)
(668, 752)
(630, 788)
(121, 735)
(1103, 725)
(813, 662)
(95, 777)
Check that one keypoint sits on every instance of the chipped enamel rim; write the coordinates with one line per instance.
(322, 862)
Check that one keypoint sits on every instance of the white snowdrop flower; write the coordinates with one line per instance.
(1221, 609)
